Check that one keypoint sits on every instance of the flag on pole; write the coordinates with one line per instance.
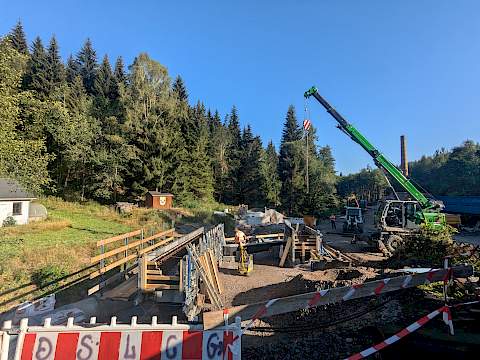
(306, 124)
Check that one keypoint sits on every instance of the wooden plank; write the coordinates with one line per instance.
(118, 237)
(334, 295)
(154, 246)
(161, 287)
(112, 266)
(129, 246)
(123, 291)
(154, 272)
(216, 274)
(160, 234)
(264, 236)
(286, 250)
(163, 277)
(206, 268)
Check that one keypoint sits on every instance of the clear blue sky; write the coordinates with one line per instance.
(390, 67)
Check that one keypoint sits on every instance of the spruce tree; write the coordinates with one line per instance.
(104, 84)
(18, 39)
(233, 155)
(119, 72)
(290, 163)
(179, 89)
(271, 183)
(72, 69)
(55, 73)
(87, 62)
(36, 77)
(249, 182)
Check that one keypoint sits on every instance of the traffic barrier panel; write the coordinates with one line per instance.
(120, 341)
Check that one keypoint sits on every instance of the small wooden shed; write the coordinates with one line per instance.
(158, 200)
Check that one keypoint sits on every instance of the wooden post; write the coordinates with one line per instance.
(180, 275)
(142, 273)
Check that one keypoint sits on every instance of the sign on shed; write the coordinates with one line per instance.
(158, 200)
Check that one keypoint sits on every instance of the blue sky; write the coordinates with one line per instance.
(390, 67)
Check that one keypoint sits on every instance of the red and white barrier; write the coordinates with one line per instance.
(447, 319)
(401, 334)
(115, 341)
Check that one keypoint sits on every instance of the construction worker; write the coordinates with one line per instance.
(333, 220)
(245, 265)
(240, 237)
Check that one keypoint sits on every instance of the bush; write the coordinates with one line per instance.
(9, 221)
(430, 246)
(47, 274)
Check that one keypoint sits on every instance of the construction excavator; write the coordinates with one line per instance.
(396, 220)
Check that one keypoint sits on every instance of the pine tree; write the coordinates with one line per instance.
(36, 77)
(55, 73)
(87, 63)
(179, 89)
(18, 39)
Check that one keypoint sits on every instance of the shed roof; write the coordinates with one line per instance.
(158, 193)
(11, 190)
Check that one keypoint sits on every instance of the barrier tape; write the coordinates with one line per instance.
(447, 319)
(401, 334)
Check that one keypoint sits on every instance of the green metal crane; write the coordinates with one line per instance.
(430, 213)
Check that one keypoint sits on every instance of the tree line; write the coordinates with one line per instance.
(86, 129)
(450, 172)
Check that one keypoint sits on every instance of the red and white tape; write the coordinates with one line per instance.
(447, 319)
(401, 334)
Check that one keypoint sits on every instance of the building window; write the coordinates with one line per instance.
(17, 208)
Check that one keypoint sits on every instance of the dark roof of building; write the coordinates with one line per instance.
(158, 193)
(12, 190)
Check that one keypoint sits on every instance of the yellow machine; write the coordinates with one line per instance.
(245, 265)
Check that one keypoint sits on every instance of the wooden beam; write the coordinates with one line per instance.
(163, 277)
(118, 237)
(212, 266)
(161, 287)
(160, 234)
(286, 250)
(312, 299)
(154, 246)
(112, 266)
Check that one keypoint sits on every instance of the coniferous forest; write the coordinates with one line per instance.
(95, 128)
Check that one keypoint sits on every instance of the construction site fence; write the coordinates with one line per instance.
(119, 341)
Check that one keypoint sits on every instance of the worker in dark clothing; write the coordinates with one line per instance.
(333, 220)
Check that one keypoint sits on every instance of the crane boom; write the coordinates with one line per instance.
(379, 159)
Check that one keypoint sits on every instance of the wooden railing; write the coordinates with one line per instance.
(124, 249)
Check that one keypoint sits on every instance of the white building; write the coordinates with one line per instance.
(14, 201)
